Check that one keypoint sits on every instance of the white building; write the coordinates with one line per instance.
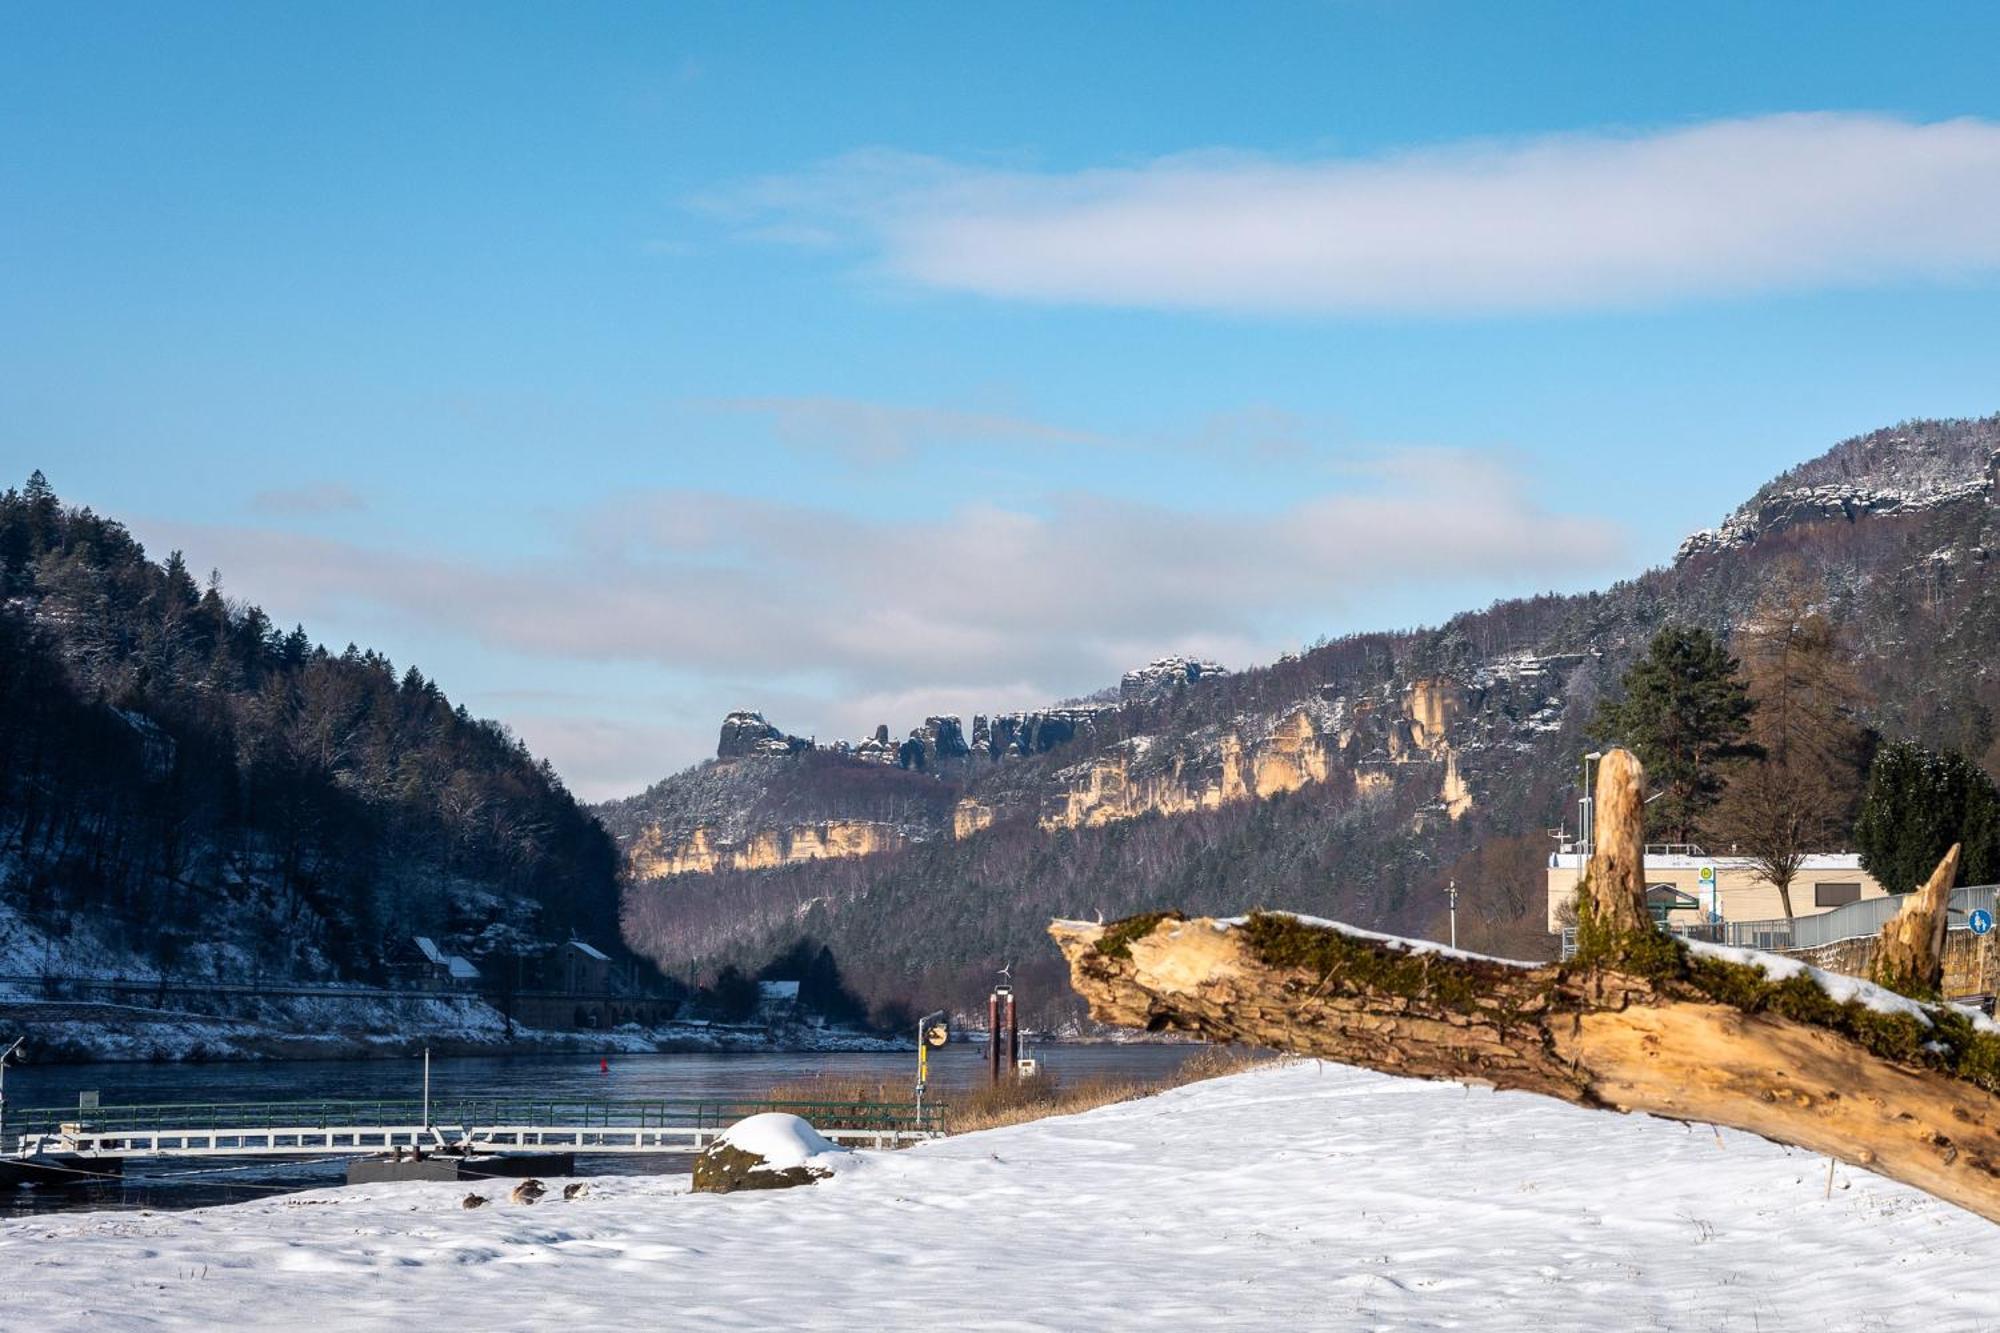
(1686, 887)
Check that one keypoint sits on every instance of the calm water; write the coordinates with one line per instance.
(187, 1183)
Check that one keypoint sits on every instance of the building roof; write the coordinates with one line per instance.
(778, 990)
(590, 951)
(428, 947)
(461, 969)
(1681, 861)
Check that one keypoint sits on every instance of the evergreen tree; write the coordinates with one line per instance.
(1917, 804)
(1685, 712)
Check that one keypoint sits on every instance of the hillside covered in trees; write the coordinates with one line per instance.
(186, 786)
(1356, 779)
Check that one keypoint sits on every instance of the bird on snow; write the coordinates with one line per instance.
(528, 1191)
(473, 1201)
(575, 1190)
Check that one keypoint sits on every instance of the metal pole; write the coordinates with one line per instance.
(427, 1089)
(1454, 913)
(4, 1055)
(1013, 1036)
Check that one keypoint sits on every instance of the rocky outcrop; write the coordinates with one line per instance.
(1911, 469)
(1166, 675)
(1138, 778)
(969, 817)
(877, 749)
(746, 733)
(1024, 735)
(940, 741)
(650, 855)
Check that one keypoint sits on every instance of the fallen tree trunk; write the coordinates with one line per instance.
(1637, 1021)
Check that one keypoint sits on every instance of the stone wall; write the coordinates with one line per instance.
(1971, 962)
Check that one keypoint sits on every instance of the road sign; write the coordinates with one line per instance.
(1981, 921)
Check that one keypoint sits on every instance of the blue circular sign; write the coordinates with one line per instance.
(1981, 921)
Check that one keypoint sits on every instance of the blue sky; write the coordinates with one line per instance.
(623, 364)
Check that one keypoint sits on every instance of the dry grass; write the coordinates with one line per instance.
(1015, 1101)
(847, 1093)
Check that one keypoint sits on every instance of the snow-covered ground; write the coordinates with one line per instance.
(1303, 1196)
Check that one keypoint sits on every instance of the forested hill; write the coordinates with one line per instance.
(1357, 779)
(185, 786)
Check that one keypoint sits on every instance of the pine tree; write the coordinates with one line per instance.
(1685, 713)
(1917, 804)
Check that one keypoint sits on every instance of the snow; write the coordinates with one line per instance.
(1842, 988)
(783, 1141)
(1307, 1195)
(1401, 942)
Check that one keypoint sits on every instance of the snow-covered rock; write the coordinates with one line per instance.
(770, 1151)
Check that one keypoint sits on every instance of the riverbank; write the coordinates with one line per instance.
(77, 1032)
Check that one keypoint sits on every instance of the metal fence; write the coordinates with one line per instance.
(1857, 920)
(668, 1113)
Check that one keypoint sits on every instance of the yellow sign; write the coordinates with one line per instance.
(936, 1035)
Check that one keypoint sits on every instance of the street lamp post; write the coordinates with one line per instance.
(1452, 890)
(1587, 822)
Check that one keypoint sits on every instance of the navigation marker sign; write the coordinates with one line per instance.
(1981, 921)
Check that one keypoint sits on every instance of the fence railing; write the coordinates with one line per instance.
(1856, 920)
(668, 1113)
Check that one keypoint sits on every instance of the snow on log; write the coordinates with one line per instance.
(1636, 1021)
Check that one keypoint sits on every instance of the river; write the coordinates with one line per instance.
(167, 1183)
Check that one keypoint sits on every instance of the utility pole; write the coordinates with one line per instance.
(1453, 892)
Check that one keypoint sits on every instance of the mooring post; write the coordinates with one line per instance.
(1013, 1035)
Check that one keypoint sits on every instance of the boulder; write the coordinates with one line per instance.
(771, 1151)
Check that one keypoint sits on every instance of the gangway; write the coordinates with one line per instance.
(484, 1125)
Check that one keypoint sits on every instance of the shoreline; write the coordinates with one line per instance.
(127, 1035)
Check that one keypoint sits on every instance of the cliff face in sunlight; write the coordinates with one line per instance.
(1403, 737)
(654, 853)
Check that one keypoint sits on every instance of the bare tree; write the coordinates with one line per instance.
(1799, 796)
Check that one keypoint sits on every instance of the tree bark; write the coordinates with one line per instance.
(1636, 1022)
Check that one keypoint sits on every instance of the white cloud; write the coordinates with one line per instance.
(1563, 222)
(853, 621)
(870, 433)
